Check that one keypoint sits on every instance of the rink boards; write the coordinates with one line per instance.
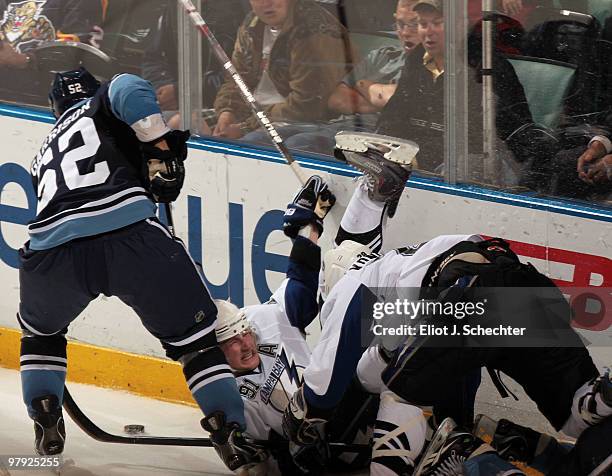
(230, 212)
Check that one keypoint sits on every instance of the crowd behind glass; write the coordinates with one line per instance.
(318, 67)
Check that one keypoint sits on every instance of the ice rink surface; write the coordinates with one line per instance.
(110, 410)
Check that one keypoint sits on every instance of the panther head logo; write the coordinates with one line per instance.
(23, 23)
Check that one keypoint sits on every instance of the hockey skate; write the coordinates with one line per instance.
(385, 161)
(49, 430)
(516, 443)
(603, 385)
(448, 450)
(595, 402)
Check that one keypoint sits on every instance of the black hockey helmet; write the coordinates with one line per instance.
(70, 87)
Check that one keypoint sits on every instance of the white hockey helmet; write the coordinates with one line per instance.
(231, 321)
(337, 261)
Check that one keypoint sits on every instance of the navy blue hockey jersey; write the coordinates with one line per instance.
(88, 174)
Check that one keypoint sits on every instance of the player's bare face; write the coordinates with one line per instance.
(406, 25)
(271, 12)
(241, 351)
(431, 31)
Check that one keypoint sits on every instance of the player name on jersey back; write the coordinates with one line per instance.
(87, 177)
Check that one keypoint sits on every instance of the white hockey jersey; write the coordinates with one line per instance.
(404, 267)
(283, 354)
(334, 358)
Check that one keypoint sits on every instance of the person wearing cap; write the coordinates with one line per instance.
(363, 92)
(416, 110)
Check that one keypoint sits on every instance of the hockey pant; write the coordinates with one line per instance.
(147, 269)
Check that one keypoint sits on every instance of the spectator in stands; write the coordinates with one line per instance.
(595, 170)
(416, 110)
(160, 64)
(368, 87)
(291, 53)
(363, 92)
(581, 171)
(25, 25)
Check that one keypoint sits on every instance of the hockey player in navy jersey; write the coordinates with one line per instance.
(563, 381)
(99, 172)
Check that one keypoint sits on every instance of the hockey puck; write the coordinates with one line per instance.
(133, 429)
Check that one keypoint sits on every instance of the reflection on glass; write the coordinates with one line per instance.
(558, 51)
(27, 25)
(319, 67)
(291, 55)
(160, 65)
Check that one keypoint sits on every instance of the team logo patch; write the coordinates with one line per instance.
(284, 379)
(199, 317)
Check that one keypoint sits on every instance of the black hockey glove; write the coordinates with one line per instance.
(164, 169)
(309, 207)
(236, 451)
(306, 435)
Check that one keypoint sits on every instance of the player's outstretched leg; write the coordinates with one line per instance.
(363, 220)
(385, 161)
(43, 373)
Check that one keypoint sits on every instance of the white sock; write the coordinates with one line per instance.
(362, 214)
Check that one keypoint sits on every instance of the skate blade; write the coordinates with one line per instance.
(395, 150)
(438, 439)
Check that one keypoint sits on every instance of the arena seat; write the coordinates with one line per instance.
(546, 84)
(570, 37)
(600, 9)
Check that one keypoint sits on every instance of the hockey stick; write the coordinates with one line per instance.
(169, 218)
(97, 433)
(262, 118)
(602, 469)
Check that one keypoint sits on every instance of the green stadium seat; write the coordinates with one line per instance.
(546, 84)
(600, 9)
